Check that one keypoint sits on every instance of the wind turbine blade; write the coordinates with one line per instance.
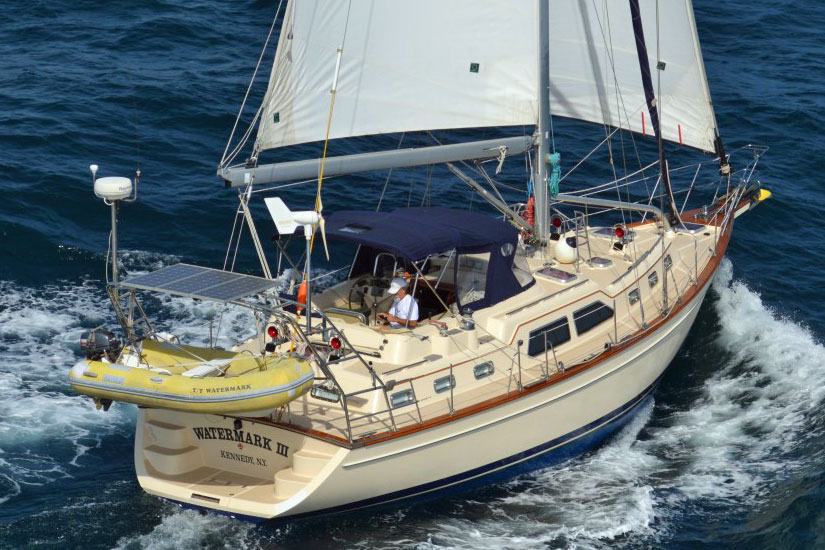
(323, 226)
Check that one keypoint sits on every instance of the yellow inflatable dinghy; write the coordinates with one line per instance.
(217, 382)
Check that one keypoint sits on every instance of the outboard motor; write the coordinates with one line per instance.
(101, 342)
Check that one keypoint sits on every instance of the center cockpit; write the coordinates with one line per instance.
(453, 262)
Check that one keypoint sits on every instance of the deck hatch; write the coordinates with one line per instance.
(556, 275)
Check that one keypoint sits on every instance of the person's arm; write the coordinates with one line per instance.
(411, 312)
(400, 320)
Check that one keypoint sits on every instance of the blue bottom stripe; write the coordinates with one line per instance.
(547, 454)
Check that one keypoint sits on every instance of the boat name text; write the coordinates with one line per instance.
(225, 389)
(225, 434)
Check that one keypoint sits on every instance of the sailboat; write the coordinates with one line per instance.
(539, 328)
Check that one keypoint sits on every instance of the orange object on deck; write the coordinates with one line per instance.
(302, 294)
(529, 213)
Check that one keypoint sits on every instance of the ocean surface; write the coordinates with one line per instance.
(728, 453)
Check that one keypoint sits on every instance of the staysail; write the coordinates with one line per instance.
(429, 64)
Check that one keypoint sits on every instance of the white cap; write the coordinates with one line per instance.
(397, 284)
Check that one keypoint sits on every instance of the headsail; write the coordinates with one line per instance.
(430, 64)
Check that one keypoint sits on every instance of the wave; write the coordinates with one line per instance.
(681, 462)
(756, 385)
(45, 428)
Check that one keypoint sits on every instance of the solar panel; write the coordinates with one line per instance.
(200, 282)
(164, 276)
(244, 286)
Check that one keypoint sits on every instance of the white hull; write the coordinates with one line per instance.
(533, 430)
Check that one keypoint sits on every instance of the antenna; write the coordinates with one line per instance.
(114, 190)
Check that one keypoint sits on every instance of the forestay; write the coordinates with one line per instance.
(430, 64)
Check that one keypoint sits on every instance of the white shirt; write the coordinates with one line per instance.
(405, 308)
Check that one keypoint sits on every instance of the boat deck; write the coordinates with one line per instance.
(418, 359)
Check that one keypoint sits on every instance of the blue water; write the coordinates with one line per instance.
(727, 454)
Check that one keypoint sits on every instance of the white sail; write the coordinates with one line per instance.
(431, 64)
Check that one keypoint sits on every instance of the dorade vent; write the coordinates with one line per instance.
(549, 336)
(652, 279)
(402, 398)
(591, 316)
(445, 383)
(483, 370)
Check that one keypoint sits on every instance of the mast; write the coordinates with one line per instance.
(652, 105)
(543, 127)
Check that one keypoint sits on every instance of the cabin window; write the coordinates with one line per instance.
(402, 398)
(652, 279)
(483, 370)
(591, 316)
(471, 277)
(325, 394)
(445, 383)
(668, 262)
(633, 296)
(549, 336)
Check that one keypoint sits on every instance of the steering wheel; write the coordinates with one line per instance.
(365, 280)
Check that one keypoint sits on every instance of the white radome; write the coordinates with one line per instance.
(113, 188)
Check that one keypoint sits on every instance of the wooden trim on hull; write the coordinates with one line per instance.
(654, 325)
(541, 456)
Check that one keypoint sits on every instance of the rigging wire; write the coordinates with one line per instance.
(389, 174)
(622, 110)
(224, 159)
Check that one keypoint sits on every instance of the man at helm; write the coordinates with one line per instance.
(404, 309)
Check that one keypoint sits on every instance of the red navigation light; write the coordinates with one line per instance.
(620, 231)
(335, 342)
(272, 331)
(555, 221)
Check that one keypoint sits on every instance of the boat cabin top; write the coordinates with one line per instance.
(450, 258)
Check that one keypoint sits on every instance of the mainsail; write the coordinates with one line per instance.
(430, 64)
